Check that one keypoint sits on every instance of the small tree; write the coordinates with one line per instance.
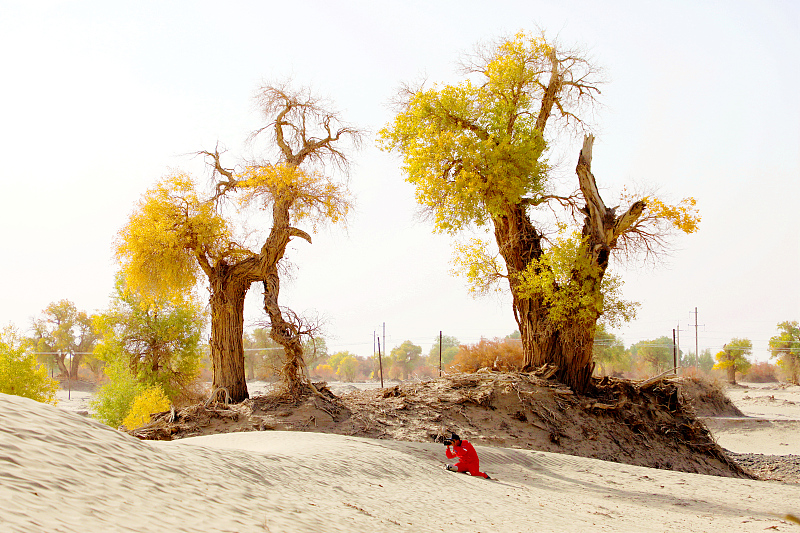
(344, 365)
(449, 349)
(609, 351)
(733, 358)
(263, 356)
(405, 357)
(785, 347)
(159, 339)
(20, 373)
(113, 401)
(64, 331)
(656, 353)
(347, 368)
(315, 350)
(705, 361)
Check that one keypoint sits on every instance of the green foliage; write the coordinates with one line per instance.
(64, 332)
(566, 279)
(159, 339)
(705, 361)
(149, 401)
(656, 353)
(315, 350)
(113, 401)
(449, 349)
(20, 373)
(404, 358)
(734, 355)
(609, 352)
(785, 347)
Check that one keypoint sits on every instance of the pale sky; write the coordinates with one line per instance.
(100, 99)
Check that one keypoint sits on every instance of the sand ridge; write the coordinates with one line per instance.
(62, 472)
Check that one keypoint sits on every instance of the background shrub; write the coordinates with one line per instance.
(20, 373)
(149, 401)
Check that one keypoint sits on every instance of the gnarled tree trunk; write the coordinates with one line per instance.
(228, 289)
(565, 345)
(282, 331)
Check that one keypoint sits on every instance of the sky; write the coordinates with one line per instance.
(99, 100)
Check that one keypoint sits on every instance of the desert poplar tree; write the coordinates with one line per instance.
(476, 154)
(178, 235)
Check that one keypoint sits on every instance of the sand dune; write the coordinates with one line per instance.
(63, 472)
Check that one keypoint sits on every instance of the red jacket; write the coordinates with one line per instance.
(466, 454)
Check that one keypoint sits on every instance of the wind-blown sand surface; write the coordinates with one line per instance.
(772, 423)
(60, 471)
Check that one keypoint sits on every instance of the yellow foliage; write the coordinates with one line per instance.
(170, 229)
(149, 401)
(570, 285)
(500, 354)
(20, 373)
(470, 150)
(310, 194)
(174, 233)
(481, 269)
(683, 216)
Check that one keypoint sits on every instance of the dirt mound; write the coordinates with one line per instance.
(708, 398)
(640, 423)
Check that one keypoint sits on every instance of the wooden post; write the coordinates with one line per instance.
(674, 353)
(440, 353)
(380, 363)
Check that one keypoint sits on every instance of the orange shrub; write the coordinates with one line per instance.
(324, 372)
(497, 354)
(761, 373)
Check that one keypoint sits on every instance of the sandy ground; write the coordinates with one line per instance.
(60, 471)
(772, 423)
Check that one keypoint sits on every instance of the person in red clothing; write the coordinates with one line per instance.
(467, 457)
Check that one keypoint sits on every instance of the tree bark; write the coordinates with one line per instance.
(75, 364)
(286, 333)
(228, 291)
(568, 345)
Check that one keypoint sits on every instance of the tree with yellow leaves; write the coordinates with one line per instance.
(178, 236)
(733, 358)
(476, 153)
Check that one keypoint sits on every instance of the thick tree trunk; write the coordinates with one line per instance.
(732, 371)
(227, 330)
(565, 345)
(519, 243)
(75, 364)
(60, 360)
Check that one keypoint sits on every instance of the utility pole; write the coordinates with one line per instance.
(384, 347)
(380, 363)
(678, 341)
(696, 344)
(674, 354)
(440, 353)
